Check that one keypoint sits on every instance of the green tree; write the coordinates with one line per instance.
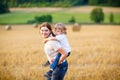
(113, 3)
(40, 19)
(97, 15)
(72, 20)
(4, 7)
(105, 2)
(111, 18)
(43, 18)
(93, 2)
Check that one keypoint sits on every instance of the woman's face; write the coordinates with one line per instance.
(45, 32)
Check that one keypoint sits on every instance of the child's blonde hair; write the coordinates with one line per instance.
(62, 26)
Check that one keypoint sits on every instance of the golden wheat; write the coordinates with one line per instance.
(95, 53)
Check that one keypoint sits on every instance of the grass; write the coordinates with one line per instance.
(24, 17)
(95, 53)
(116, 18)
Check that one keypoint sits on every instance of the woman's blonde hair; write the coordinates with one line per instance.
(62, 26)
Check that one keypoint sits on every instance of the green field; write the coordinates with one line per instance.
(24, 17)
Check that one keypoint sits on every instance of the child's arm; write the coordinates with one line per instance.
(50, 38)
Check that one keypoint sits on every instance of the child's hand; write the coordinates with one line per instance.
(45, 40)
(48, 39)
(52, 59)
(59, 62)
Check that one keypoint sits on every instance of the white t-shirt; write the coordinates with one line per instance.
(63, 42)
(51, 48)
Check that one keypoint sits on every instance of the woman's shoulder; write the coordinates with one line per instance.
(53, 42)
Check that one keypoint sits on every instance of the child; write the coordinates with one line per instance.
(60, 32)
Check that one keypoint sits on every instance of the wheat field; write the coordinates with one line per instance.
(95, 53)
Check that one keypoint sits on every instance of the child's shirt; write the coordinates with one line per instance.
(64, 42)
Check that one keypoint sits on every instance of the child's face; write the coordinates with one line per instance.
(58, 31)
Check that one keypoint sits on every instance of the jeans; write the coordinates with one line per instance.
(55, 62)
(59, 72)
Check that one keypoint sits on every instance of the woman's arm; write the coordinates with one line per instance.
(63, 55)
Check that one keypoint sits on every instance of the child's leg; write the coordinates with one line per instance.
(68, 54)
(55, 62)
(53, 66)
(46, 64)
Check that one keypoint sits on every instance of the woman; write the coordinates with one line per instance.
(52, 48)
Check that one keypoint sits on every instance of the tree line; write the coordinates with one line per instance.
(6, 4)
(59, 3)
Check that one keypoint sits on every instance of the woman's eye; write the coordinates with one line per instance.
(46, 30)
(42, 30)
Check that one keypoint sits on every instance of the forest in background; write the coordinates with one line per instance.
(59, 3)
